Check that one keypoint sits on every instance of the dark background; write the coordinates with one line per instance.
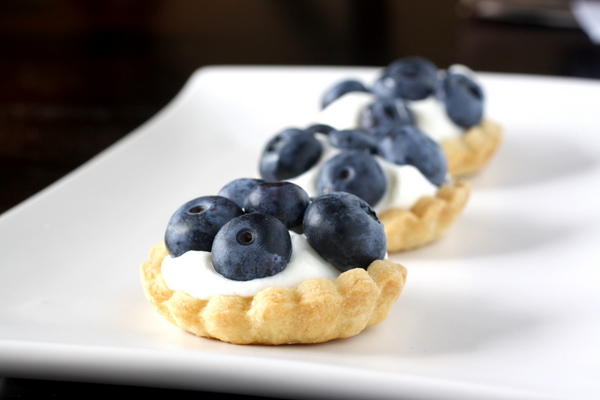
(77, 75)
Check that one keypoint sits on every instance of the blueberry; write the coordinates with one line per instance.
(194, 225)
(411, 78)
(349, 139)
(289, 154)
(344, 230)
(409, 145)
(251, 246)
(319, 128)
(353, 171)
(463, 99)
(385, 112)
(341, 88)
(238, 189)
(284, 200)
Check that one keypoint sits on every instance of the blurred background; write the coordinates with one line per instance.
(77, 75)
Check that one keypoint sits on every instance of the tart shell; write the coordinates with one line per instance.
(315, 311)
(472, 151)
(427, 220)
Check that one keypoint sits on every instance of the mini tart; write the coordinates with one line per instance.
(469, 153)
(427, 220)
(315, 311)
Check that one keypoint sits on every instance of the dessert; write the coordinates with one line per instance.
(262, 263)
(448, 105)
(402, 174)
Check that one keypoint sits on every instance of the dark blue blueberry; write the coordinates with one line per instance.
(251, 246)
(463, 99)
(411, 78)
(386, 112)
(289, 154)
(353, 171)
(284, 200)
(194, 225)
(409, 145)
(345, 231)
(341, 88)
(353, 139)
(238, 189)
(319, 128)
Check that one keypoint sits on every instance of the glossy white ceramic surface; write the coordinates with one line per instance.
(505, 306)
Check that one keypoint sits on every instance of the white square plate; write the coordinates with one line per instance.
(506, 305)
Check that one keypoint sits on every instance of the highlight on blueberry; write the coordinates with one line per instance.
(195, 224)
(288, 154)
(409, 145)
(284, 200)
(353, 171)
(251, 246)
(344, 230)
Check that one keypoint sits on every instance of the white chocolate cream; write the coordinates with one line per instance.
(405, 186)
(193, 273)
(431, 117)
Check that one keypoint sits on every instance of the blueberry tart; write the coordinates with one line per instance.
(400, 171)
(282, 268)
(448, 105)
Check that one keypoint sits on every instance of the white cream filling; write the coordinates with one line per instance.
(431, 117)
(194, 274)
(405, 186)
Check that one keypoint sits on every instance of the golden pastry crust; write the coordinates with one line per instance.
(427, 220)
(315, 311)
(473, 150)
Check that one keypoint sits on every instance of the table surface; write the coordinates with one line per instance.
(76, 79)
